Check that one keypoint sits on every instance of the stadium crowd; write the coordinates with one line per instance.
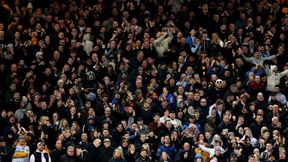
(143, 80)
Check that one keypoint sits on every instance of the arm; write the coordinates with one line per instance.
(194, 48)
(269, 58)
(208, 150)
(283, 73)
(267, 69)
(159, 151)
(132, 137)
(158, 40)
(170, 37)
(248, 59)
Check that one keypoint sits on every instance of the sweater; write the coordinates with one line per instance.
(161, 44)
(170, 150)
(273, 79)
(260, 61)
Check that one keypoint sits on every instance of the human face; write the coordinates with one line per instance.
(143, 154)
(21, 141)
(117, 153)
(41, 147)
(70, 152)
(58, 144)
(107, 144)
(4, 114)
(167, 140)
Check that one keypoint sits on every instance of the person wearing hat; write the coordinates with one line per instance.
(40, 154)
(21, 153)
(90, 125)
(205, 42)
(198, 158)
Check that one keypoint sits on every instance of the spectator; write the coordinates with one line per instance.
(70, 155)
(57, 152)
(143, 157)
(82, 155)
(118, 156)
(161, 44)
(168, 148)
(40, 154)
(106, 151)
(272, 72)
(21, 150)
(185, 153)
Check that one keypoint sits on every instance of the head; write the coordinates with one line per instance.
(41, 146)
(107, 142)
(70, 151)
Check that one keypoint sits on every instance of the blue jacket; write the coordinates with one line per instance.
(171, 151)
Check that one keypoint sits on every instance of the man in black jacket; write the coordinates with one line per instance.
(58, 151)
(93, 149)
(82, 155)
(185, 154)
(106, 152)
(70, 155)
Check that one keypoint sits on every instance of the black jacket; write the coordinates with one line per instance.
(105, 154)
(85, 157)
(56, 154)
(94, 152)
(66, 158)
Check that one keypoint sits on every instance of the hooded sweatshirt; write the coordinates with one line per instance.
(161, 44)
(198, 156)
(273, 78)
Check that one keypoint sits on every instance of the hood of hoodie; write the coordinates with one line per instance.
(198, 156)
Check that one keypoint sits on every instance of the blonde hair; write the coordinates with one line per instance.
(121, 152)
(43, 119)
(61, 127)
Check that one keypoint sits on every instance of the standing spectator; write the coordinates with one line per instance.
(273, 77)
(22, 151)
(161, 44)
(40, 154)
(167, 147)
